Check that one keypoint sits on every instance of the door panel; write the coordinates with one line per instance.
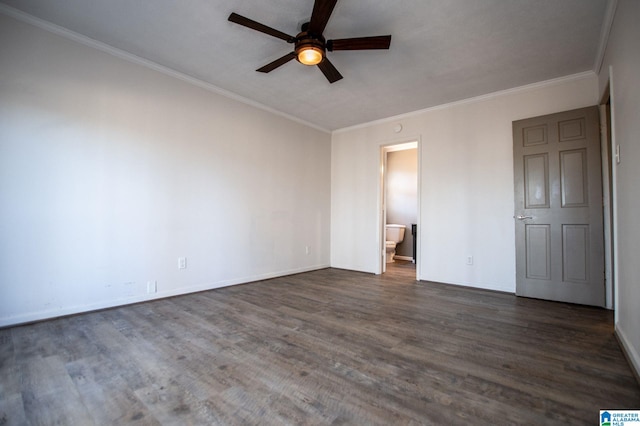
(536, 181)
(575, 253)
(538, 239)
(574, 179)
(571, 130)
(535, 135)
(558, 207)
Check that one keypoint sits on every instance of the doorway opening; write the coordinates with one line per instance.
(399, 207)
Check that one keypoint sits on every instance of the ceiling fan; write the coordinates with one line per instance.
(310, 46)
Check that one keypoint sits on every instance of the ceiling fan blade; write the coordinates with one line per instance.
(360, 43)
(329, 71)
(320, 16)
(278, 62)
(250, 23)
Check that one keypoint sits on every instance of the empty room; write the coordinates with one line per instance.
(319, 212)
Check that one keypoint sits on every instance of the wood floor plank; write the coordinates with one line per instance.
(324, 347)
(106, 394)
(49, 395)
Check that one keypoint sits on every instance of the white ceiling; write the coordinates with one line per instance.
(441, 51)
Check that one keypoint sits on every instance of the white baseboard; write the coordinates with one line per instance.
(403, 258)
(629, 351)
(81, 309)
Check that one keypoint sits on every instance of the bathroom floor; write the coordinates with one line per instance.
(402, 264)
(401, 269)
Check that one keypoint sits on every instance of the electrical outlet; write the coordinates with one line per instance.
(306, 250)
(182, 263)
(152, 287)
(469, 260)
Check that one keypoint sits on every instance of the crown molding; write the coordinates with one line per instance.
(519, 89)
(605, 31)
(121, 54)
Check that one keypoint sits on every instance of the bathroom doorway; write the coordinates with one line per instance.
(399, 206)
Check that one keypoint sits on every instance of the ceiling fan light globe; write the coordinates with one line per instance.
(310, 56)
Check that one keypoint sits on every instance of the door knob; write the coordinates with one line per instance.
(520, 217)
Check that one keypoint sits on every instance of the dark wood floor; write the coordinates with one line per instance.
(325, 347)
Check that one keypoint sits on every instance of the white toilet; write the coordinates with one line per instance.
(395, 235)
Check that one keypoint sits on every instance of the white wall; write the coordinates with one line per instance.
(623, 58)
(466, 188)
(110, 171)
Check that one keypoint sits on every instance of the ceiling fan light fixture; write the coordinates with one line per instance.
(310, 49)
(310, 55)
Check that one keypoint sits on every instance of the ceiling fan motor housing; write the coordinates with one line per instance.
(306, 40)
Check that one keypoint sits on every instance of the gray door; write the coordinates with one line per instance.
(558, 207)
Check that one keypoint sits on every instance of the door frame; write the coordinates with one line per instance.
(608, 168)
(611, 226)
(386, 147)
